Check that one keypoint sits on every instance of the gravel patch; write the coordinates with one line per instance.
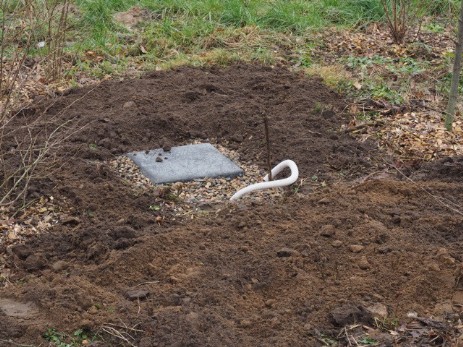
(185, 198)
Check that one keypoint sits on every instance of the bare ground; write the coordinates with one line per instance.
(270, 274)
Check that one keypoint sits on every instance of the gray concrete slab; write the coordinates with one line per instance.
(184, 163)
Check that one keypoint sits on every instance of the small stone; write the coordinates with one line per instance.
(444, 256)
(241, 224)
(434, 267)
(449, 260)
(324, 201)
(137, 294)
(237, 138)
(270, 303)
(363, 263)
(286, 252)
(70, 220)
(336, 243)
(378, 310)
(129, 104)
(356, 248)
(59, 265)
(328, 230)
(245, 323)
(159, 159)
(93, 310)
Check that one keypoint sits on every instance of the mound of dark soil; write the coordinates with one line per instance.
(243, 275)
(177, 107)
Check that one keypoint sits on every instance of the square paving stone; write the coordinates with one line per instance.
(184, 163)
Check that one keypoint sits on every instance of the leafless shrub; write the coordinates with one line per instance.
(398, 15)
(24, 26)
(57, 16)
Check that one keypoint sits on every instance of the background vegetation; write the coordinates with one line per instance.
(48, 46)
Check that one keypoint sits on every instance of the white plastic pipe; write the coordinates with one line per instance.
(272, 184)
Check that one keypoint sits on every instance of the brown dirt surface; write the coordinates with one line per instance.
(288, 273)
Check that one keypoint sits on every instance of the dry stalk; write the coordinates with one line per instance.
(12, 343)
(124, 326)
(121, 332)
(269, 153)
(124, 336)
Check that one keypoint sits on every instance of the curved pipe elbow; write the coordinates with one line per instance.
(272, 184)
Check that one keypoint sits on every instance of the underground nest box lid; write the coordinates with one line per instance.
(184, 163)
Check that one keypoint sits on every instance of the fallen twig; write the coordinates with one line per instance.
(16, 344)
(152, 282)
(364, 125)
(118, 334)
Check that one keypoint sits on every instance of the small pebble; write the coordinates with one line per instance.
(129, 104)
(364, 263)
(327, 230)
(286, 252)
(356, 248)
(270, 303)
(324, 201)
(245, 323)
(59, 265)
(137, 294)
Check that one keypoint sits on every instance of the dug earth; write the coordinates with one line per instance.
(344, 246)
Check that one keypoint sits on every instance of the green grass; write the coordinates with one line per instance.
(280, 15)
(189, 27)
(199, 32)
